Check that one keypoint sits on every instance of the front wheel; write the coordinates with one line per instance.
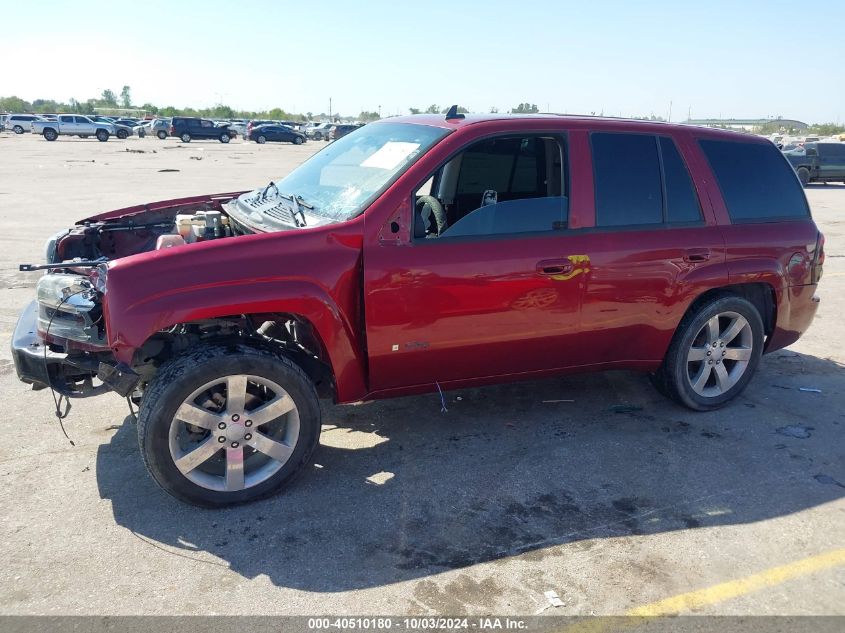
(224, 138)
(804, 175)
(122, 134)
(50, 134)
(18, 129)
(162, 134)
(318, 136)
(226, 425)
(102, 136)
(713, 355)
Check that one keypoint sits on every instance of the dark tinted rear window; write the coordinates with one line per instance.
(756, 181)
(834, 150)
(681, 199)
(627, 173)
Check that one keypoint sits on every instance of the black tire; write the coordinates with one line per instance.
(122, 134)
(161, 134)
(298, 140)
(261, 139)
(185, 138)
(804, 175)
(50, 134)
(673, 379)
(318, 136)
(181, 376)
(83, 136)
(224, 138)
(102, 135)
(18, 129)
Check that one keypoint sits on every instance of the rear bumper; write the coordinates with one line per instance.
(68, 374)
(797, 307)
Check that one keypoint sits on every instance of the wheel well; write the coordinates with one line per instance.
(289, 334)
(760, 295)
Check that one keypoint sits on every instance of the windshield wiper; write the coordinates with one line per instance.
(297, 208)
(267, 189)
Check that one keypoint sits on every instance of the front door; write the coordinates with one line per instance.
(489, 282)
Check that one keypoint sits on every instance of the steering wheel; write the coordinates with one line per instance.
(436, 210)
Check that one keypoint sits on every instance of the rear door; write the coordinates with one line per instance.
(495, 293)
(67, 125)
(655, 245)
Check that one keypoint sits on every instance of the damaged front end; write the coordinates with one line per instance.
(60, 340)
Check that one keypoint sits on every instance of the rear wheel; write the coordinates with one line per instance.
(713, 355)
(122, 134)
(83, 136)
(102, 136)
(804, 175)
(162, 134)
(50, 134)
(261, 139)
(226, 425)
(186, 138)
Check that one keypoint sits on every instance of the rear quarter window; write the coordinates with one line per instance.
(756, 181)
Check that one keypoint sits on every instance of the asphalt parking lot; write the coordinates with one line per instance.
(615, 501)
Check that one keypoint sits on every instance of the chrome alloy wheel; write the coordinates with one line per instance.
(234, 432)
(720, 354)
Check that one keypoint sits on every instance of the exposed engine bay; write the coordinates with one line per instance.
(147, 229)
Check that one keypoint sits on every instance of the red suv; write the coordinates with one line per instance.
(418, 254)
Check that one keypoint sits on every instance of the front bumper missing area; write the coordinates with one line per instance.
(71, 375)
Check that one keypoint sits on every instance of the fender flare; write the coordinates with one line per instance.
(131, 325)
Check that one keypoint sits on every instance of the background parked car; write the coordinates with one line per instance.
(320, 132)
(20, 123)
(818, 162)
(125, 128)
(189, 128)
(160, 128)
(342, 130)
(239, 126)
(282, 133)
(73, 125)
(255, 123)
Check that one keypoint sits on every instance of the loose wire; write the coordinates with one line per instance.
(61, 415)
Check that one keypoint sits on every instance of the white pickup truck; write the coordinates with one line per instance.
(73, 125)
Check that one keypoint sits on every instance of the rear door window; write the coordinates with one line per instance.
(756, 181)
(627, 179)
(681, 200)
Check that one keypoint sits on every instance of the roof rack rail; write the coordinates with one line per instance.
(454, 114)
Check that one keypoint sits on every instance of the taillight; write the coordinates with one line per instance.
(818, 259)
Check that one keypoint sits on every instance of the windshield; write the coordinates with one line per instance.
(342, 178)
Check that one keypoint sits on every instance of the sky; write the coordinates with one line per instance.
(741, 59)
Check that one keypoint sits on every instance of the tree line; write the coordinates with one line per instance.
(109, 99)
